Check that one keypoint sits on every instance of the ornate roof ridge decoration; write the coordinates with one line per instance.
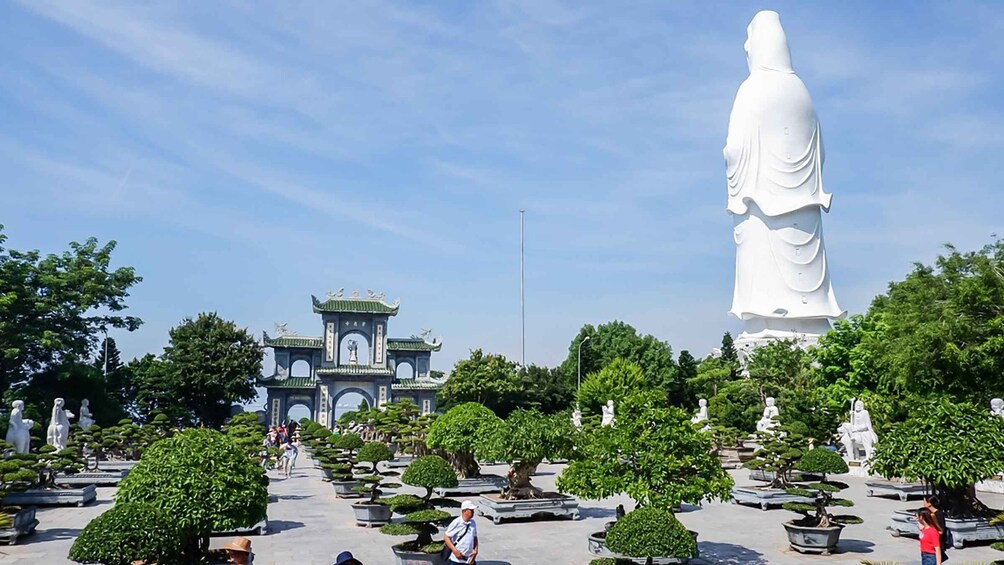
(373, 303)
(354, 370)
(414, 343)
(292, 341)
(288, 382)
(416, 384)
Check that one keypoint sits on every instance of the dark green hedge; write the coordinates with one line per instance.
(128, 533)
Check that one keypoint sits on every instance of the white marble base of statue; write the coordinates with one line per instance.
(857, 435)
(19, 429)
(608, 414)
(577, 418)
(774, 165)
(769, 419)
(59, 426)
(85, 420)
(997, 407)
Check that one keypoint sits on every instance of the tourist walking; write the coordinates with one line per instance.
(288, 459)
(461, 536)
(346, 558)
(933, 503)
(930, 538)
(239, 551)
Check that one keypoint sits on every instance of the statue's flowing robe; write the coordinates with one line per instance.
(774, 164)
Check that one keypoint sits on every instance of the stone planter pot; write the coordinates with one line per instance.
(409, 557)
(902, 491)
(101, 478)
(369, 515)
(734, 457)
(52, 497)
(765, 497)
(494, 507)
(904, 523)
(259, 529)
(122, 465)
(597, 542)
(343, 489)
(24, 524)
(474, 485)
(399, 462)
(805, 539)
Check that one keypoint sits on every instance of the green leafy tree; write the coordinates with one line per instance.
(779, 365)
(712, 374)
(548, 390)
(729, 354)
(157, 388)
(524, 439)
(488, 379)
(53, 307)
(950, 446)
(118, 379)
(457, 431)
(618, 340)
(618, 380)
(653, 454)
(204, 481)
(211, 365)
(687, 368)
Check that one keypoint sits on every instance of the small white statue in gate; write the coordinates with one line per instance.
(608, 414)
(857, 435)
(353, 352)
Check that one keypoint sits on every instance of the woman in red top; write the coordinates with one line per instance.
(930, 538)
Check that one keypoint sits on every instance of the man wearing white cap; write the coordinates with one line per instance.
(461, 537)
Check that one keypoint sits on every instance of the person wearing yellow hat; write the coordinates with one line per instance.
(239, 551)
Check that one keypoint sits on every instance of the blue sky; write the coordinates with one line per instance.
(246, 155)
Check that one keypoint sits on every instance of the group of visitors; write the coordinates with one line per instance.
(286, 437)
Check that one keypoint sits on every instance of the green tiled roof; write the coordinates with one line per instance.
(412, 344)
(291, 382)
(414, 384)
(354, 305)
(355, 370)
(293, 341)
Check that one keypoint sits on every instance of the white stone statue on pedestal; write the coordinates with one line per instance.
(85, 420)
(608, 414)
(19, 429)
(59, 426)
(353, 352)
(769, 419)
(702, 412)
(774, 165)
(857, 435)
(577, 418)
(997, 407)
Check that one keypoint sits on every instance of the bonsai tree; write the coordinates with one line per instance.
(247, 432)
(456, 432)
(374, 453)
(204, 481)
(17, 473)
(422, 520)
(820, 461)
(49, 463)
(349, 443)
(652, 453)
(130, 533)
(779, 452)
(651, 532)
(524, 439)
(948, 445)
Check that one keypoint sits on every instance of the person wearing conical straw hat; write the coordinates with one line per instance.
(239, 551)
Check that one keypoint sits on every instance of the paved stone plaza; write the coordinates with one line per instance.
(309, 526)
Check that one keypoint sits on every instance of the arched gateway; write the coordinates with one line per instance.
(354, 355)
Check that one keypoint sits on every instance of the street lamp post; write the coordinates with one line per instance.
(584, 340)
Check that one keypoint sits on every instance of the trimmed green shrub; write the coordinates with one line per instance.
(429, 472)
(349, 442)
(424, 524)
(457, 431)
(204, 480)
(373, 453)
(651, 532)
(822, 461)
(128, 533)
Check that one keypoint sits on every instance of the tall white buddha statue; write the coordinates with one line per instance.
(774, 164)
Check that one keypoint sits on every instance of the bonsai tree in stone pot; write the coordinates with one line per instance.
(372, 511)
(818, 531)
(524, 439)
(779, 452)
(650, 533)
(17, 473)
(421, 519)
(339, 464)
(456, 433)
(653, 454)
(950, 446)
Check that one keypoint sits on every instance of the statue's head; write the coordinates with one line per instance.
(770, 401)
(610, 403)
(766, 44)
(85, 402)
(702, 403)
(59, 403)
(859, 406)
(997, 404)
(18, 405)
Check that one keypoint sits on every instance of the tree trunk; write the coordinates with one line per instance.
(519, 482)
(464, 464)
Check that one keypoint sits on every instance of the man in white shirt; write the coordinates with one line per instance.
(462, 535)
